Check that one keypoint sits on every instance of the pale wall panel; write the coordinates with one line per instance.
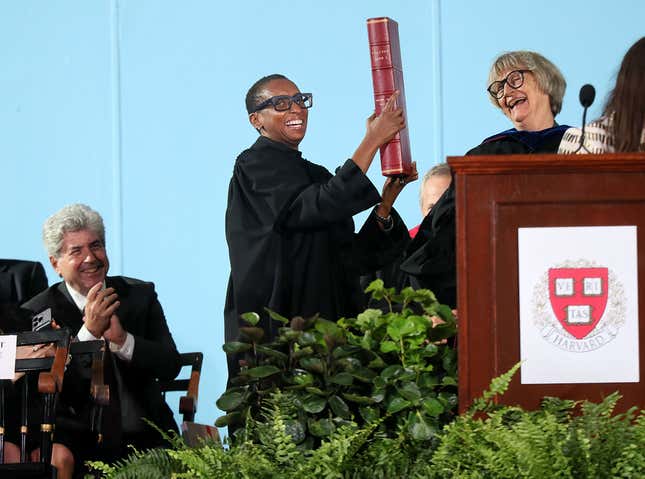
(55, 115)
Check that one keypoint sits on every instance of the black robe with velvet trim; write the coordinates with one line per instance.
(291, 240)
(516, 142)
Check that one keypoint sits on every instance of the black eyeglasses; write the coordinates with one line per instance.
(514, 79)
(283, 102)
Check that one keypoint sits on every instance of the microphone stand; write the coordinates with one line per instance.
(582, 131)
(586, 96)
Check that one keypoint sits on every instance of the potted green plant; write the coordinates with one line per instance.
(397, 364)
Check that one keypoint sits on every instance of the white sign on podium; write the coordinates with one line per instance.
(578, 304)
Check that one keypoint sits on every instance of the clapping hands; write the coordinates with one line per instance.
(100, 307)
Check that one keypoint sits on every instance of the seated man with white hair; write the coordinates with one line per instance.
(122, 310)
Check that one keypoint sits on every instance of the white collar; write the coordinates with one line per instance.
(77, 297)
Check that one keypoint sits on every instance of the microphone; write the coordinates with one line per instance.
(587, 96)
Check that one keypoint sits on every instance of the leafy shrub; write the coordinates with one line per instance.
(395, 365)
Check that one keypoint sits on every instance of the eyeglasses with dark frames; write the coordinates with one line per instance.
(514, 79)
(284, 102)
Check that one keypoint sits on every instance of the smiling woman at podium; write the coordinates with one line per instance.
(528, 89)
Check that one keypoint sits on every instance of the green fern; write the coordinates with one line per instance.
(278, 445)
(551, 442)
(336, 454)
(507, 442)
(151, 464)
(212, 460)
(563, 439)
(498, 386)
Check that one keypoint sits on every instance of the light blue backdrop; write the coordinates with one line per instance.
(136, 108)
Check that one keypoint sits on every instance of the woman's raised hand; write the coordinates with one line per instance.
(393, 186)
(391, 189)
(382, 128)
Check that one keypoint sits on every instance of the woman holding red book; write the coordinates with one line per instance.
(289, 226)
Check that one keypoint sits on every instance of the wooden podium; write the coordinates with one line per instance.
(496, 195)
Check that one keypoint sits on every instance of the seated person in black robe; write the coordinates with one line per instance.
(528, 89)
(433, 185)
(13, 320)
(20, 280)
(289, 226)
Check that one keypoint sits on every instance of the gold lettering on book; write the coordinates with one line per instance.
(381, 53)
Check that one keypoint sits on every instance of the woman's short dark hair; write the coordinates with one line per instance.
(254, 97)
(626, 101)
(547, 75)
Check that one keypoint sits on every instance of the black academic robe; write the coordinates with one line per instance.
(430, 259)
(515, 142)
(291, 240)
(19, 281)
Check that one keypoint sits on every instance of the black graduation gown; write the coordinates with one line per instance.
(291, 240)
(430, 259)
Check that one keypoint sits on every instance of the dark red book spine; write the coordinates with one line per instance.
(387, 77)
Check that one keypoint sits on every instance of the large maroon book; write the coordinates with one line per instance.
(387, 77)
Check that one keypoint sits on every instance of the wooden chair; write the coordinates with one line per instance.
(187, 403)
(50, 383)
(99, 390)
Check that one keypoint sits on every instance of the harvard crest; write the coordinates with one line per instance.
(578, 306)
(578, 298)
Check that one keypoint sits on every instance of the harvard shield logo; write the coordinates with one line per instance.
(578, 298)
